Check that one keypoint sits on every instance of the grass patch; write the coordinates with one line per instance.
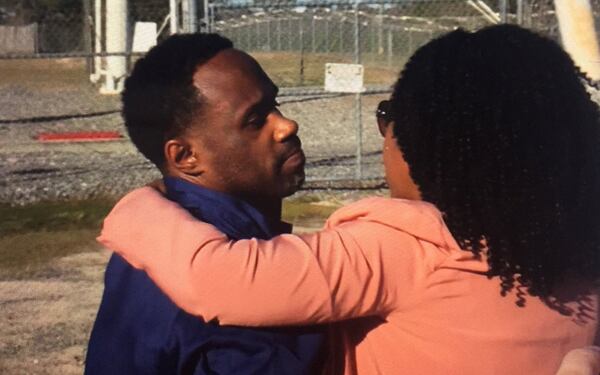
(33, 236)
(54, 216)
(28, 255)
(307, 211)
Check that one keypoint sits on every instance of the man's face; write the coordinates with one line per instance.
(247, 147)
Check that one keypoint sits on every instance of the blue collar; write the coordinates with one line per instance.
(231, 215)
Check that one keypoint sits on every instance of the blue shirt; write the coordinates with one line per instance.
(138, 330)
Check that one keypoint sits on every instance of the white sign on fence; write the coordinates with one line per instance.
(144, 36)
(347, 78)
(19, 39)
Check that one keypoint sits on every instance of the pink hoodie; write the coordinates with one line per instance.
(423, 305)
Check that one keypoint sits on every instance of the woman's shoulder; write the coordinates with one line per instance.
(416, 218)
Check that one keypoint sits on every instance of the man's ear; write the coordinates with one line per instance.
(182, 156)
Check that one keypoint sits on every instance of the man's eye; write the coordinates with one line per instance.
(258, 121)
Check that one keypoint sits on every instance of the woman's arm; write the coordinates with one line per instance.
(357, 268)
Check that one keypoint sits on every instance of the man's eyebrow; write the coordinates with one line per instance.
(263, 104)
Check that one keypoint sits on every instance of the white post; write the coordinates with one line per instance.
(192, 16)
(116, 42)
(173, 16)
(96, 74)
(185, 16)
(578, 34)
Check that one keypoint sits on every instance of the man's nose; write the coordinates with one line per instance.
(284, 129)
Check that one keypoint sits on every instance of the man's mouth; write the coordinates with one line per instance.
(293, 162)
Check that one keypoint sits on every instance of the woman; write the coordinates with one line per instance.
(484, 261)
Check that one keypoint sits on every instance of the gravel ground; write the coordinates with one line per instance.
(31, 171)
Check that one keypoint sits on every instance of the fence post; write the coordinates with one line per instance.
(301, 27)
(342, 35)
(327, 35)
(192, 16)
(268, 34)
(116, 42)
(87, 35)
(390, 49)
(313, 34)
(248, 36)
(95, 76)
(380, 31)
(502, 5)
(257, 35)
(578, 34)
(173, 16)
(290, 32)
(278, 34)
(358, 97)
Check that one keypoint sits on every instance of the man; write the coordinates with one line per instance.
(206, 114)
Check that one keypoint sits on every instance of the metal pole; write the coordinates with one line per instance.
(313, 21)
(380, 31)
(211, 19)
(358, 97)
(268, 35)
(173, 16)
(342, 35)
(390, 49)
(301, 26)
(87, 34)
(502, 4)
(290, 33)
(185, 16)
(192, 16)
(520, 12)
(257, 35)
(116, 41)
(248, 39)
(278, 34)
(578, 34)
(95, 76)
(327, 35)
(301, 32)
(207, 13)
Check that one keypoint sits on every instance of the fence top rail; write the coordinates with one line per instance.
(280, 4)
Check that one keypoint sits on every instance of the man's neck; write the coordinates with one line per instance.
(271, 208)
(268, 206)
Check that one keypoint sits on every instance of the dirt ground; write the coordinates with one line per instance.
(45, 322)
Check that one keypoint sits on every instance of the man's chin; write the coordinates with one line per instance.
(293, 184)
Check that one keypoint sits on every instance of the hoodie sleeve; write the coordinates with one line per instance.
(352, 268)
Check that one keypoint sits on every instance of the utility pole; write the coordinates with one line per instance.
(87, 35)
(174, 16)
(578, 34)
(503, 5)
(116, 42)
(98, 19)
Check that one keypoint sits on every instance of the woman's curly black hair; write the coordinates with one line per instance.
(501, 134)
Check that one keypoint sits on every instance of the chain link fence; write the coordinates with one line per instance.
(53, 66)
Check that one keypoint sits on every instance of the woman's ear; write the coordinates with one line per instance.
(182, 157)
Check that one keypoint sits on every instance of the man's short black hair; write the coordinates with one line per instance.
(160, 99)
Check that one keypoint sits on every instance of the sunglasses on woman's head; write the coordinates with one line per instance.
(384, 115)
